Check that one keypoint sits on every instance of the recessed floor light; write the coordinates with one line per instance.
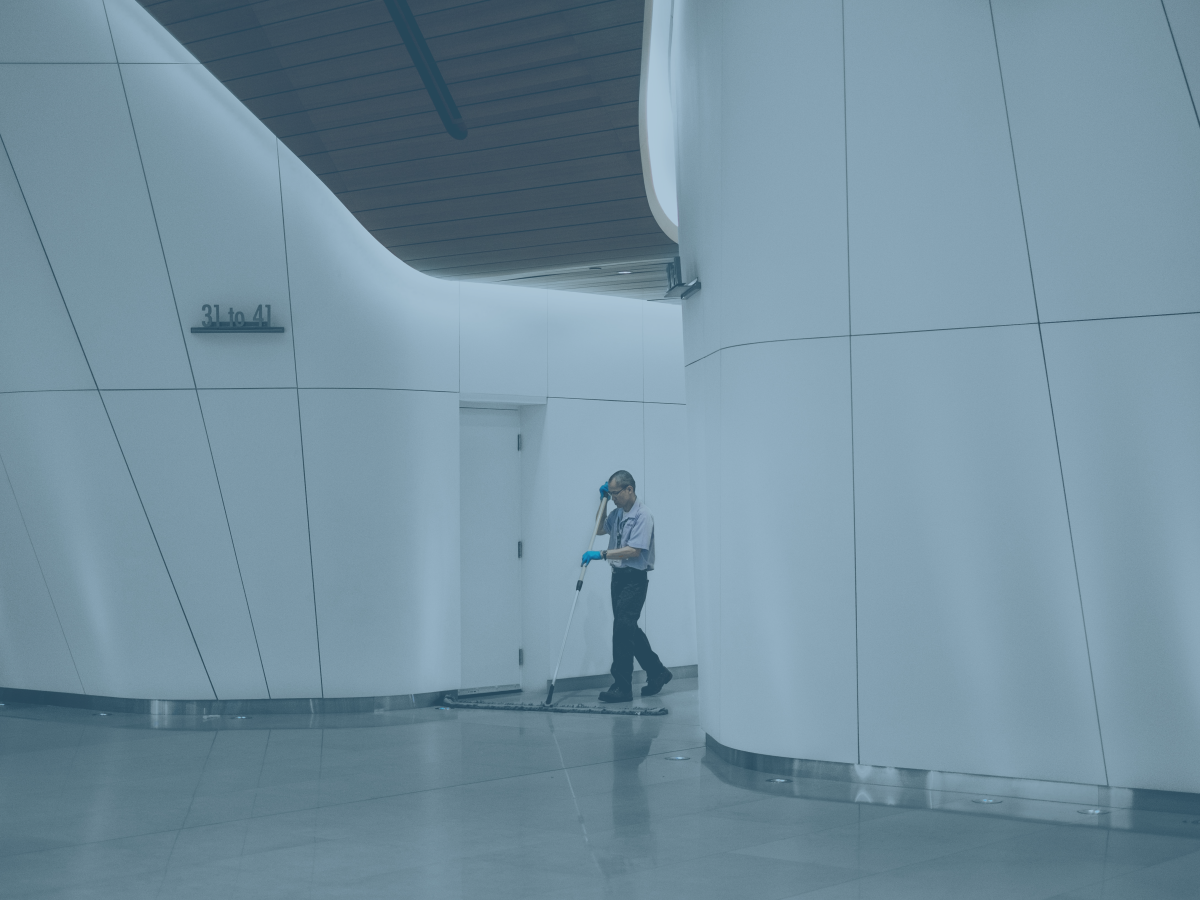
(780, 780)
(101, 714)
(443, 708)
(625, 273)
(241, 717)
(986, 800)
(678, 757)
(1093, 812)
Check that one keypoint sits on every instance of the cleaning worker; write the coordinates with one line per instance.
(630, 530)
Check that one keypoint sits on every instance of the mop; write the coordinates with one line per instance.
(548, 706)
(562, 707)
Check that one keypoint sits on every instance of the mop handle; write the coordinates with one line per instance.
(578, 588)
(550, 693)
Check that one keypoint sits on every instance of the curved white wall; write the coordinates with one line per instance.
(944, 381)
(189, 516)
(656, 118)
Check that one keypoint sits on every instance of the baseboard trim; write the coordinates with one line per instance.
(895, 783)
(285, 706)
(304, 706)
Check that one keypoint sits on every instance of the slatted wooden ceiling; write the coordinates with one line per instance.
(548, 183)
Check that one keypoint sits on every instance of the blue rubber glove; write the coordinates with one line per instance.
(604, 491)
(591, 555)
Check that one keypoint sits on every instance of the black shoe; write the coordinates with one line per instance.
(616, 694)
(654, 683)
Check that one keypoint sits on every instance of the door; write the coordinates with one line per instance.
(490, 530)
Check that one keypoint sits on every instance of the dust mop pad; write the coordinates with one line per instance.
(562, 708)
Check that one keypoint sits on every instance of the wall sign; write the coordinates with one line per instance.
(235, 321)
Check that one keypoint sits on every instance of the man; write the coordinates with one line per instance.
(630, 530)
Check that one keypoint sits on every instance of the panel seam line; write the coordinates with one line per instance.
(1182, 68)
(196, 392)
(16, 500)
(287, 269)
(850, 360)
(100, 393)
(826, 337)
(42, 571)
(1049, 395)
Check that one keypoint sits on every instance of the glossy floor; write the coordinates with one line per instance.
(436, 804)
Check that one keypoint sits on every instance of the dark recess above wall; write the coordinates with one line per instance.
(546, 188)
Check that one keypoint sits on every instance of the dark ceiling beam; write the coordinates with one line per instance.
(427, 68)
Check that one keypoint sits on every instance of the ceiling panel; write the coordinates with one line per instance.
(546, 188)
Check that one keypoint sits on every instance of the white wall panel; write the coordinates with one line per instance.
(971, 643)
(595, 346)
(213, 175)
(581, 443)
(783, 188)
(70, 142)
(361, 318)
(163, 439)
(38, 347)
(33, 651)
(138, 38)
(383, 476)
(787, 536)
(972, 649)
(1127, 402)
(54, 31)
(662, 347)
(255, 439)
(1108, 154)
(696, 81)
(502, 340)
(935, 220)
(670, 620)
(705, 474)
(121, 616)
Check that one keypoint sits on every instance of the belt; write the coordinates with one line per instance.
(627, 571)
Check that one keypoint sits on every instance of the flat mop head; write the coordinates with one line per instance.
(561, 708)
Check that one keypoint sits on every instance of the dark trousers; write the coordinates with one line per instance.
(628, 597)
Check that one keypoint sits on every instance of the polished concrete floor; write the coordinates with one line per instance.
(434, 804)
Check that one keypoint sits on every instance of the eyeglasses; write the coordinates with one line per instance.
(613, 493)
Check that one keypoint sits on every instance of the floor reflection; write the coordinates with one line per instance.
(632, 740)
(485, 805)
